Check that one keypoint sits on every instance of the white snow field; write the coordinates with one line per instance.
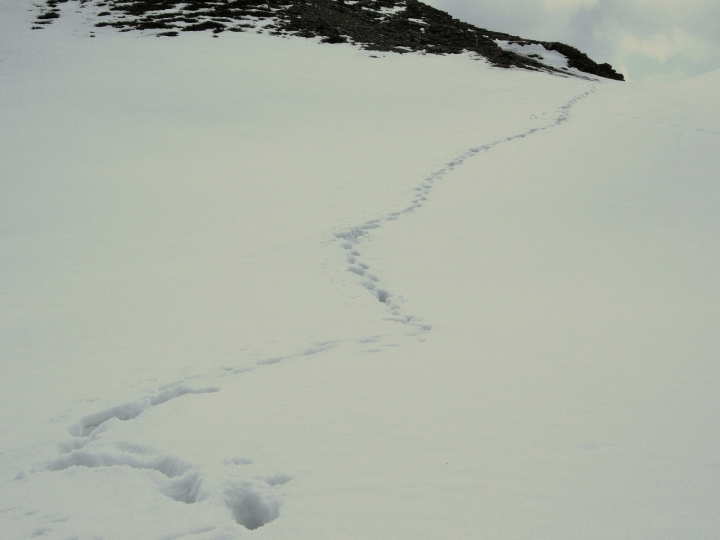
(195, 236)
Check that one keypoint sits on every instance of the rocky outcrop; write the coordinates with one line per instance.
(380, 25)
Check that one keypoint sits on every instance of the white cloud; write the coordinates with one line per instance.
(552, 5)
(664, 46)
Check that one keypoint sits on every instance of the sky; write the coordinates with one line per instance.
(646, 40)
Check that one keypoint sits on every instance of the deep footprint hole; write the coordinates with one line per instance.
(382, 295)
(249, 508)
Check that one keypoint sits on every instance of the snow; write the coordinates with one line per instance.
(391, 10)
(553, 59)
(269, 287)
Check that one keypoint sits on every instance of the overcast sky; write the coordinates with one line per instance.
(644, 39)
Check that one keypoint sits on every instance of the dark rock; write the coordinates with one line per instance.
(205, 25)
(581, 62)
(48, 15)
(334, 39)
(379, 25)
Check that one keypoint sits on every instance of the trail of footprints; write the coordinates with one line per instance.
(350, 239)
(253, 497)
(252, 500)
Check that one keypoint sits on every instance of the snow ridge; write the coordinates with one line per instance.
(350, 239)
(128, 411)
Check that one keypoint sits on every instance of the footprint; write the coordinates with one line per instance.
(279, 479)
(168, 466)
(251, 507)
(185, 489)
(354, 235)
(129, 411)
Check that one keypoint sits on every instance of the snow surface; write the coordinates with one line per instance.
(196, 234)
(553, 59)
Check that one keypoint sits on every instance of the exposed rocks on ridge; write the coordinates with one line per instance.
(379, 25)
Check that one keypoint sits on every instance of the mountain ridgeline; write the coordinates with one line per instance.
(378, 25)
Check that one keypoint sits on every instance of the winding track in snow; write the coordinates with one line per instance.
(252, 502)
(349, 239)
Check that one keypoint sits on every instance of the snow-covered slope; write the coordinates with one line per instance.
(196, 235)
